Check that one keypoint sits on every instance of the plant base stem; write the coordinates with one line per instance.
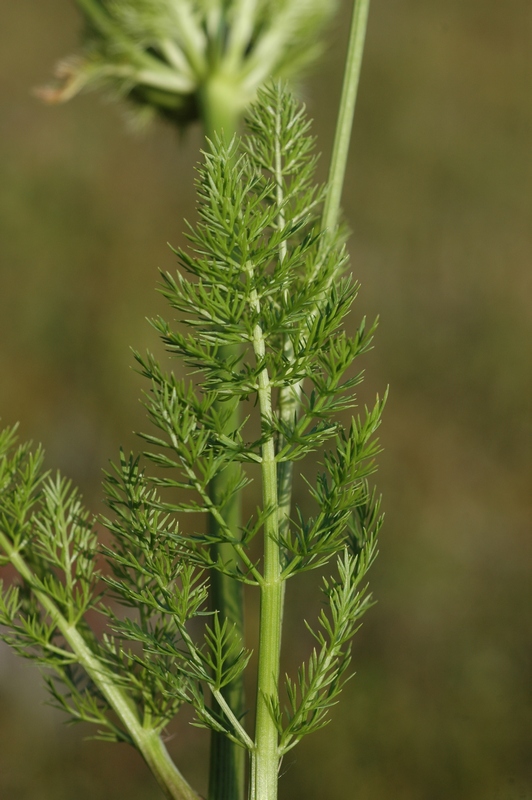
(220, 110)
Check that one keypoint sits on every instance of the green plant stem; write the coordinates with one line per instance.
(266, 754)
(146, 739)
(290, 397)
(346, 113)
(220, 109)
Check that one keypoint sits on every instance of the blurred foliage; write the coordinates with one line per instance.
(438, 201)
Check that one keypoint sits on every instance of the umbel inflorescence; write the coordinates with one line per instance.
(261, 294)
(166, 54)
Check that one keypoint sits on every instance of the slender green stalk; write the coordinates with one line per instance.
(266, 755)
(220, 113)
(290, 397)
(147, 741)
(346, 113)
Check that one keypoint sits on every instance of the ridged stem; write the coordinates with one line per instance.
(266, 754)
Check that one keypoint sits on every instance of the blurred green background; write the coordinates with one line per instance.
(438, 201)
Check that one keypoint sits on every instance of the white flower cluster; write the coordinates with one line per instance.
(165, 54)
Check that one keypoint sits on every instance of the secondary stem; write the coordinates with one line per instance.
(147, 741)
